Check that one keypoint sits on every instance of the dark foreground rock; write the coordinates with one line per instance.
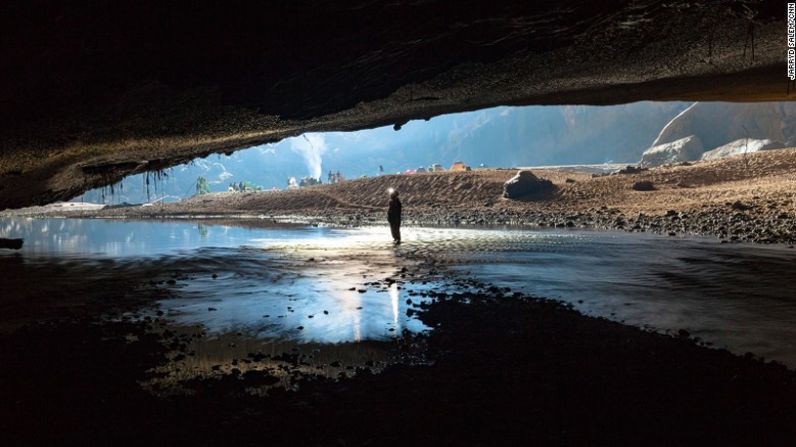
(11, 244)
(501, 369)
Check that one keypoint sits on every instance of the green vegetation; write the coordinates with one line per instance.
(201, 186)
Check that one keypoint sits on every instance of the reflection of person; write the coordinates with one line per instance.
(394, 216)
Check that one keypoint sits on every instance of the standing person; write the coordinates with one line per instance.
(394, 216)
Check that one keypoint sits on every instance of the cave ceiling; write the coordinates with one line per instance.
(91, 93)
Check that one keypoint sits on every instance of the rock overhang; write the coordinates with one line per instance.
(91, 95)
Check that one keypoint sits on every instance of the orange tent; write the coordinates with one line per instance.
(458, 166)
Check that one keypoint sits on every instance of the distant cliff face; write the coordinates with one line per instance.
(719, 123)
(562, 135)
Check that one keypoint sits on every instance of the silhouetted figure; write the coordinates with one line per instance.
(394, 216)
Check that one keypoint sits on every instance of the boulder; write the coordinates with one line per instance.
(11, 244)
(684, 149)
(741, 146)
(644, 186)
(525, 183)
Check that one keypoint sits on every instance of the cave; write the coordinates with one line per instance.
(93, 94)
(592, 206)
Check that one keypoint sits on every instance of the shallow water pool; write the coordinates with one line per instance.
(313, 285)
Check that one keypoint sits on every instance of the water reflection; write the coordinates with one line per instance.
(741, 297)
(312, 283)
(121, 238)
(308, 301)
(203, 229)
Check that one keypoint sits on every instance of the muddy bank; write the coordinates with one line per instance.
(498, 368)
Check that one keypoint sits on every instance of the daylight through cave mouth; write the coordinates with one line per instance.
(311, 222)
(499, 137)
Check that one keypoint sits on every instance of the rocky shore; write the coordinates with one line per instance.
(750, 198)
(733, 222)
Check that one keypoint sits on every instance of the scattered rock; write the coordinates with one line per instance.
(631, 170)
(683, 333)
